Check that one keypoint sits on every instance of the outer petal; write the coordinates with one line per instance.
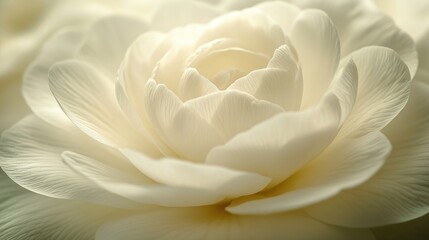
(383, 90)
(31, 155)
(172, 172)
(214, 224)
(88, 98)
(25, 215)
(399, 191)
(108, 40)
(138, 187)
(283, 13)
(343, 165)
(184, 13)
(281, 145)
(316, 41)
(37, 93)
(360, 24)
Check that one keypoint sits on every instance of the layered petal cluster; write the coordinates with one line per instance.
(279, 120)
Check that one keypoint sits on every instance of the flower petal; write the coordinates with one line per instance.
(172, 172)
(190, 136)
(232, 112)
(316, 41)
(108, 40)
(88, 99)
(383, 90)
(399, 191)
(139, 188)
(343, 165)
(214, 223)
(31, 155)
(37, 94)
(26, 215)
(193, 85)
(279, 83)
(415, 229)
(286, 142)
(361, 24)
(283, 13)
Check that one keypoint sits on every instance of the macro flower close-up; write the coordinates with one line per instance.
(229, 119)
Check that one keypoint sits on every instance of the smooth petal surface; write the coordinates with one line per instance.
(232, 112)
(26, 215)
(189, 135)
(279, 146)
(279, 83)
(172, 172)
(283, 13)
(37, 93)
(383, 90)
(316, 41)
(107, 41)
(360, 24)
(88, 99)
(399, 191)
(343, 165)
(139, 188)
(31, 155)
(214, 224)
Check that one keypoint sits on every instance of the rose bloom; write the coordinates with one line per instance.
(230, 120)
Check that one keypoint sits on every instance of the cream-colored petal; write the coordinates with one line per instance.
(139, 188)
(281, 145)
(63, 45)
(107, 41)
(181, 128)
(184, 13)
(193, 85)
(316, 41)
(400, 189)
(279, 83)
(383, 90)
(215, 224)
(343, 165)
(173, 172)
(361, 24)
(232, 112)
(282, 13)
(31, 155)
(88, 99)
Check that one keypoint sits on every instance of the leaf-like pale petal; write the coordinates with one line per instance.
(343, 165)
(31, 155)
(383, 90)
(215, 224)
(173, 172)
(400, 189)
(37, 93)
(88, 99)
(139, 188)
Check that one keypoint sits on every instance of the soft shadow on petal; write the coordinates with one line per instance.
(416, 229)
(399, 191)
(383, 90)
(281, 145)
(37, 93)
(26, 215)
(174, 172)
(343, 165)
(214, 224)
(88, 98)
(31, 155)
(316, 40)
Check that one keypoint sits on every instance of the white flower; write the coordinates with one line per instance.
(272, 122)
